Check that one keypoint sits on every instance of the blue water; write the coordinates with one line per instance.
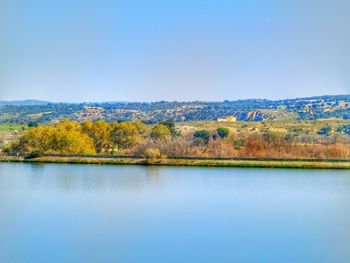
(82, 213)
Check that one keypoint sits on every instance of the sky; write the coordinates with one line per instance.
(184, 50)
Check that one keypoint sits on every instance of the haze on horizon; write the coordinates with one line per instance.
(185, 50)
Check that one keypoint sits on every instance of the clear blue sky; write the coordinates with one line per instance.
(133, 50)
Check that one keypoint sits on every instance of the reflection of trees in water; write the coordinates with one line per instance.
(69, 178)
(153, 175)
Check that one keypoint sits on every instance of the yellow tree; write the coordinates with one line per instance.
(39, 138)
(64, 138)
(100, 133)
(70, 139)
(127, 134)
(160, 132)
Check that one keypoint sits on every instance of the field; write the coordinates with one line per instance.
(12, 127)
(299, 130)
(10, 133)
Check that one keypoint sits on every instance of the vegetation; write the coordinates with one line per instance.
(33, 124)
(63, 138)
(35, 154)
(184, 162)
(268, 139)
(201, 137)
(303, 128)
(12, 127)
(223, 132)
(313, 108)
(160, 133)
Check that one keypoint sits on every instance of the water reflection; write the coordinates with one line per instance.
(70, 178)
(90, 213)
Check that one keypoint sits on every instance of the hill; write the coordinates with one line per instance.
(310, 108)
(23, 102)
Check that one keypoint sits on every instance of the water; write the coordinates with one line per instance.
(81, 213)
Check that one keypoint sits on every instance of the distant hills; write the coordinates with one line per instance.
(310, 108)
(23, 102)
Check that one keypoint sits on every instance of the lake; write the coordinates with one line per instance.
(90, 213)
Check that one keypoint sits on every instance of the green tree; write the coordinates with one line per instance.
(201, 137)
(223, 132)
(326, 131)
(33, 124)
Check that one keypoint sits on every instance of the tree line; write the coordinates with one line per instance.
(165, 140)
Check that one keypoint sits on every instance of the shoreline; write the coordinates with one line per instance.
(184, 162)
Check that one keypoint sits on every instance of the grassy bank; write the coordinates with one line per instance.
(181, 162)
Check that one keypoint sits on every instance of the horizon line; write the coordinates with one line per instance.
(158, 101)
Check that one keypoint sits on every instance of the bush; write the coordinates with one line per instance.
(223, 132)
(344, 129)
(8, 151)
(160, 132)
(201, 137)
(238, 143)
(170, 124)
(152, 153)
(32, 124)
(35, 154)
(325, 131)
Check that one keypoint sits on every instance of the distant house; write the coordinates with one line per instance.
(228, 118)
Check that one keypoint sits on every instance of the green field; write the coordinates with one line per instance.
(13, 127)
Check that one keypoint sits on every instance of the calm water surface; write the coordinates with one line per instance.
(81, 213)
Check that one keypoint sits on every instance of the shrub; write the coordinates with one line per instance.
(32, 124)
(325, 131)
(35, 154)
(238, 143)
(170, 124)
(152, 153)
(344, 129)
(201, 137)
(8, 151)
(160, 132)
(223, 132)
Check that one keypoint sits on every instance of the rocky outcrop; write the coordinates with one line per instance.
(251, 116)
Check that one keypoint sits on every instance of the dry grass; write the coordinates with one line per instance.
(182, 162)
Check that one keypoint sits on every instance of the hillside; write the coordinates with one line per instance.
(23, 102)
(311, 108)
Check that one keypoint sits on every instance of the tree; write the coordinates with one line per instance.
(127, 134)
(37, 138)
(100, 133)
(142, 129)
(160, 132)
(170, 124)
(65, 137)
(33, 124)
(325, 131)
(223, 132)
(35, 154)
(69, 138)
(201, 137)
